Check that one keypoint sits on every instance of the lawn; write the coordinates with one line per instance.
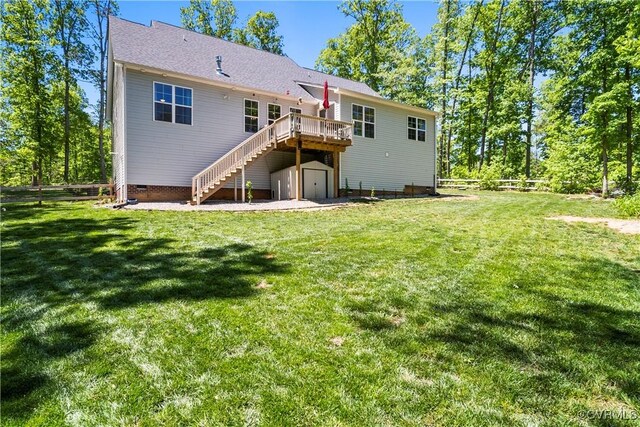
(474, 311)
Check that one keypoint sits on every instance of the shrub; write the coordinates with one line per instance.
(628, 205)
(522, 183)
(249, 191)
(373, 192)
(462, 172)
(628, 187)
(489, 177)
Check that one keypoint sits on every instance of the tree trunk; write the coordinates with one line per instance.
(470, 142)
(457, 84)
(443, 122)
(505, 147)
(490, 91)
(38, 89)
(629, 128)
(103, 168)
(66, 121)
(605, 154)
(485, 119)
(605, 162)
(532, 74)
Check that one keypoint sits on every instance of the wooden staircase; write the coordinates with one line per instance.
(283, 131)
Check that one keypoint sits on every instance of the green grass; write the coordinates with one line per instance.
(401, 312)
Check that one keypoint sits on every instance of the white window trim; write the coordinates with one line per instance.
(295, 108)
(271, 103)
(417, 129)
(363, 120)
(173, 103)
(244, 115)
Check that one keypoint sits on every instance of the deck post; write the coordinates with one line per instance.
(235, 188)
(243, 184)
(336, 174)
(298, 177)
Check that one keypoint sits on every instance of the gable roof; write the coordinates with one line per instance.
(173, 49)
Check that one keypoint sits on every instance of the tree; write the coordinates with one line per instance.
(261, 32)
(489, 58)
(25, 72)
(592, 92)
(99, 30)
(366, 50)
(627, 47)
(445, 48)
(468, 27)
(211, 17)
(406, 75)
(69, 24)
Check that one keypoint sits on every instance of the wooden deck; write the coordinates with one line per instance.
(313, 133)
(293, 132)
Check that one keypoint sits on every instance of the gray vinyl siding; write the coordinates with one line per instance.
(407, 161)
(161, 153)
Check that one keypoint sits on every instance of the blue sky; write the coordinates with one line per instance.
(305, 25)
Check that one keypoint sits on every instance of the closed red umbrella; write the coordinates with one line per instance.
(325, 103)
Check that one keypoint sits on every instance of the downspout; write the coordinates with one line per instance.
(435, 157)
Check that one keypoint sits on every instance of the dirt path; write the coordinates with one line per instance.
(626, 226)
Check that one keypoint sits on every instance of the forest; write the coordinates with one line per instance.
(545, 89)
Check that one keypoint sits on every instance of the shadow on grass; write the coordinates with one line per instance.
(59, 265)
(535, 342)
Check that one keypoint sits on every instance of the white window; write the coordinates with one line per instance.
(172, 104)
(295, 110)
(416, 129)
(364, 119)
(250, 115)
(273, 113)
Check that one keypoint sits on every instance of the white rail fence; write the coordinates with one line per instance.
(503, 184)
(56, 193)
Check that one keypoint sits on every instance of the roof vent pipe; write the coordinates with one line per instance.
(219, 66)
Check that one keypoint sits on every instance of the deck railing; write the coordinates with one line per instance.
(320, 127)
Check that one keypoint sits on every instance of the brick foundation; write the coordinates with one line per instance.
(163, 193)
(407, 191)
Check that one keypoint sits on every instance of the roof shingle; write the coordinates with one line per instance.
(174, 49)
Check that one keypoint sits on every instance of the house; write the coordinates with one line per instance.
(195, 117)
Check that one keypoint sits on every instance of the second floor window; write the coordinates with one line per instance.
(250, 115)
(172, 104)
(416, 129)
(363, 121)
(273, 111)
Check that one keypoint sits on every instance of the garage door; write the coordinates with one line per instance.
(314, 184)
